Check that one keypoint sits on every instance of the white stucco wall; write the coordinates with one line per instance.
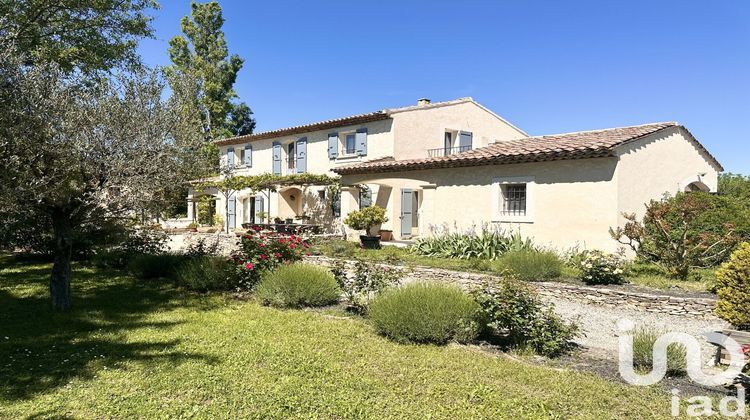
(575, 202)
(664, 162)
(418, 130)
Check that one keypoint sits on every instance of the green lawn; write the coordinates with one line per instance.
(646, 275)
(139, 349)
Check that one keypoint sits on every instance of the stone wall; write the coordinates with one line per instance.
(225, 242)
(599, 295)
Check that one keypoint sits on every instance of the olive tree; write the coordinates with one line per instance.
(79, 150)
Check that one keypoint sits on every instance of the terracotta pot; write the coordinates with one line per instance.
(386, 235)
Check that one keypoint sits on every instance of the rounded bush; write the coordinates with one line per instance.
(733, 288)
(529, 265)
(598, 267)
(426, 313)
(207, 273)
(298, 285)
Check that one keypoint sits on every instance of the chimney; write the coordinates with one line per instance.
(423, 102)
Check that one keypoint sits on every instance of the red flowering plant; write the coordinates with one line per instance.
(259, 253)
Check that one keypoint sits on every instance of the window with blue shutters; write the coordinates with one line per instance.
(361, 142)
(333, 145)
(247, 156)
(230, 157)
(351, 145)
(276, 164)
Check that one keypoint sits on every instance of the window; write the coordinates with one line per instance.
(514, 200)
(351, 144)
(448, 142)
(365, 198)
(291, 157)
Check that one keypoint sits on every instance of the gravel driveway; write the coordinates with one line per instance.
(599, 324)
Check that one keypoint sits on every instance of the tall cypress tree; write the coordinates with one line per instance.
(202, 54)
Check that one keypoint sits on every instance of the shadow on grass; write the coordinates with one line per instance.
(41, 350)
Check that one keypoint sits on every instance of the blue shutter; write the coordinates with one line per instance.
(333, 145)
(230, 157)
(232, 211)
(302, 155)
(248, 156)
(277, 158)
(259, 207)
(361, 142)
(464, 141)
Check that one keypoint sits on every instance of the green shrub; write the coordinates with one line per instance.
(487, 243)
(532, 265)
(733, 288)
(643, 352)
(366, 219)
(514, 311)
(598, 267)
(207, 273)
(152, 266)
(298, 285)
(426, 313)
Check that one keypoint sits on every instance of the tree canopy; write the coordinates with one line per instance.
(77, 34)
(79, 151)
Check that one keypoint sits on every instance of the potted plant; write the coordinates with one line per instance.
(366, 219)
(192, 227)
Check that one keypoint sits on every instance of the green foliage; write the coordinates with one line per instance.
(149, 239)
(152, 266)
(366, 218)
(735, 185)
(151, 342)
(598, 267)
(365, 282)
(298, 285)
(426, 313)
(84, 35)
(485, 244)
(733, 288)
(686, 231)
(202, 54)
(530, 265)
(515, 311)
(643, 352)
(207, 273)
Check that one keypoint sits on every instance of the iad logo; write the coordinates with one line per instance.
(698, 406)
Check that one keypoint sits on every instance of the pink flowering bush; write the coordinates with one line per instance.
(260, 253)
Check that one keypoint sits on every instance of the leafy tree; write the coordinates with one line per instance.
(688, 230)
(88, 35)
(735, 185)
(203, 54)
(80, 151)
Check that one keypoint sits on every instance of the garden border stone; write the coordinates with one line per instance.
(600, 295)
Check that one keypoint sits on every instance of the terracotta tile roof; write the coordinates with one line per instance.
(345, 121)
(579, 145)
(306, 128)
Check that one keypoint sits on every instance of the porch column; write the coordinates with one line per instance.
(349, 197)
(191, 205)
(427, 209)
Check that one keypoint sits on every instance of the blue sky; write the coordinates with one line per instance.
(546, 66)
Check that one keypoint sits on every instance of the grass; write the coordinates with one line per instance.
(133, 349)
(647, 275)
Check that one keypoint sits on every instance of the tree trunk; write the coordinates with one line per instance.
(59, 285)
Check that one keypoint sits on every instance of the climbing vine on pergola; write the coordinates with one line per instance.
(264, 183)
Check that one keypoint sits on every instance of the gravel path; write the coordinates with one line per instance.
(599, 324)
